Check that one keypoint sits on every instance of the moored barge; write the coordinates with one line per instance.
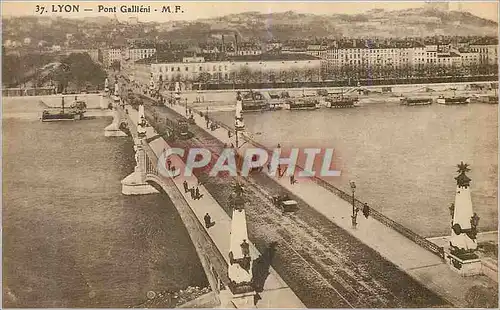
(276, 101)
(452, 100)
(340, 102)
(253, 102)
(301, 104)
(415, 101)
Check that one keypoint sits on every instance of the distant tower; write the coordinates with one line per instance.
(464, 223)
(240, 260)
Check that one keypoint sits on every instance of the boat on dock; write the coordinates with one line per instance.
(276, 100)
(415, 101)
(340, 102)
(253, 102)
(452, 100)
(302, 104)
(75, 112)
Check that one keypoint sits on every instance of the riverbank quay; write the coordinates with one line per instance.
(222, 100)
(426, 267)
(273, 291)
(339, 270)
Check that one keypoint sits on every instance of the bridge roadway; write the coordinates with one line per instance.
(321, 262)
(273, 291)
(420, 264)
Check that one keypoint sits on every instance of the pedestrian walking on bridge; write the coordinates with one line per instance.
(366, 210)
(191, 190)
(185, 184)
(197, 194)
(208, 221)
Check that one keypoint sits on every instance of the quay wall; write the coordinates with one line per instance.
(223, 97)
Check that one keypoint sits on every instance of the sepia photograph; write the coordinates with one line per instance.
(251, 154)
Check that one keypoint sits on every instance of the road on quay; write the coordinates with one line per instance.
(323, 264)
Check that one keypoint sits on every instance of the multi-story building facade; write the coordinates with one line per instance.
(469, 58)
(370, 57)
(191, 68)
(488, 53)
(126, 55)
(135, 54)
(111, 55)
(416, 56)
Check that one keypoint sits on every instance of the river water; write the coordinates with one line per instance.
(70, 238)
(403, 159)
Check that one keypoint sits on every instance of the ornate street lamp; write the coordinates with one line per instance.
(354, 208)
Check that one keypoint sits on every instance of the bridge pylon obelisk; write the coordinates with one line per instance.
(177, 93)
(135, 183)
(102, 101)
(106, 87)
(113, 129)
(241, 293)
(116, 95)
(463, 242)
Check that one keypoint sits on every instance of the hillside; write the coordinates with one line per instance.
(92, 32)
(381, 23)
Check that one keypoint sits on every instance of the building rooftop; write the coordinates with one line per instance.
(273, 57)
(171, 57)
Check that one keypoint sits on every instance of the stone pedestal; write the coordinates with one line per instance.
(465, 267)
(113, 130)
(135, 183)
(103, 103)
(239, 301)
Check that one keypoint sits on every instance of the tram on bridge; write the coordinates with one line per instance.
(178, 129)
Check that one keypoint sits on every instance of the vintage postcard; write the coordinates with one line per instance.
(250, 154)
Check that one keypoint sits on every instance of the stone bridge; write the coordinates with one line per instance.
(212, 244)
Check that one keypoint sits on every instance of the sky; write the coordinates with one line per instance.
(192, 10)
